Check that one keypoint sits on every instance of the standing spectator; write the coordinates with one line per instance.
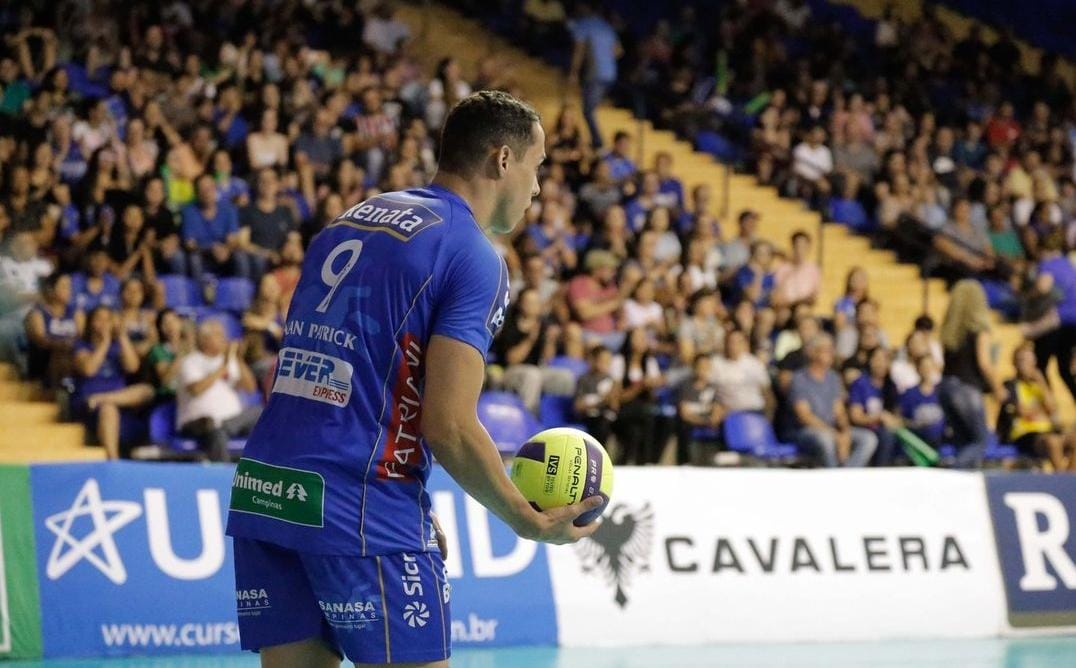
(965, 335)
(597, 48)
(210, 408)
(636, 369)
(264, 225)
(52, 326)
(210, 231)
(817, 399)
(103, 357)
(1059, 277)
(597, 395)
(873, 404)
(799, 280)
(525, 347)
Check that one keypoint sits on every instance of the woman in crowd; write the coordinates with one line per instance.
(135, 319)
(52, 327)
(104, 356)
(263, 327)
(636, 370)
(1028, 419)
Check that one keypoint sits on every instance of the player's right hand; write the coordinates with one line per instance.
(556, 524)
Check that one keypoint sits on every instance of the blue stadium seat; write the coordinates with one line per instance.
(556, 411)
(716, 145)
(507, 420)
(751, 433)
(180, 292)
(576, 366)
(234, 294)
(162, 430)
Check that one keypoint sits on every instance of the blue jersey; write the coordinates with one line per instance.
(336, 464)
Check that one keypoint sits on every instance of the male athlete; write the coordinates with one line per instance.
(336, 553)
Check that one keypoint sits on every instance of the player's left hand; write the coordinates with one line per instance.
(442, 541)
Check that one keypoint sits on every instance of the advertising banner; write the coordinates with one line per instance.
(133, 559)
(692, 556)
(1035, 528)
(20, 627)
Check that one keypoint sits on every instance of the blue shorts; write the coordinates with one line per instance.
(391, 608)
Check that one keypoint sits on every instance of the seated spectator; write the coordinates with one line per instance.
(1004, 241)
(175, 338)
(319, 144)
(845, 208)
(1031, 415)
(741, 379)
(287, 274)
(210, 231)
(267, 147)
(868, 340)
(601, 192)
(962, 244)
(210, 408)
(135, 319)
(595, 298)
(702, 331)
(446, 88)
(736, 252)
(263, 328)
(52, 327)
(640, 310)
(920, 406)
(848, 337)
(904, 370)
(597, 395)
(97, 286)
(822, 426)
(230, 188)
(168, 249)
(21, 269)
(797, 331)
(375, 135)
(621, 167)
(755, 280)
(525, 347)
(873, 404)
(812, 162)
(669, 184)
(636, 369)
(264, 225)
(130, 248)
(696, 406)
(799, 280)
(965, 334)
(103, 357)
(855, 291)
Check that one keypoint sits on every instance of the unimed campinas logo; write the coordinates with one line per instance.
(1035, 528)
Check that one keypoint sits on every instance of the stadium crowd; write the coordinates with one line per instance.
(163, 173)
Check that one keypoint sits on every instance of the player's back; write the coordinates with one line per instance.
(335, 464)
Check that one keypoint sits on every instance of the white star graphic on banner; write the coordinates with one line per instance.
(88, 502)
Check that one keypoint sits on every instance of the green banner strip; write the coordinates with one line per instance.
(20, 606)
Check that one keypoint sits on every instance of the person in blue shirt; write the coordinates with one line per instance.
(1059, 343)
(920, 407)
(104, 356)
(597, 48)
(873, 404)
(97, 286)
(209, 228)
(380, 370)
(755, 280)
(621, 167)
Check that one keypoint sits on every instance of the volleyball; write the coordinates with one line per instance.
(561, 466)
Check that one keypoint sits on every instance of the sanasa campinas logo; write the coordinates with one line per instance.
(620, 547)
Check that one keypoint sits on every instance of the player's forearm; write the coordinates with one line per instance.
(470, 456)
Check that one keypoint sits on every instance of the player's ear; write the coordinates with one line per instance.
(504, 155)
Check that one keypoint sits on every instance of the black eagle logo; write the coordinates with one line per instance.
(620, 547)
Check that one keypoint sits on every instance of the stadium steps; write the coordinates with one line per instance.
(896, 286)
(30, 429)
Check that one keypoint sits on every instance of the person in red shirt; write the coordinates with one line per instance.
(1002, 128)
(595, 298)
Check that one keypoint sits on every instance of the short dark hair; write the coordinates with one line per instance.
(481, 121)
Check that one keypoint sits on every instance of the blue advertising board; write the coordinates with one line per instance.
(1034, 520)
(137, 554)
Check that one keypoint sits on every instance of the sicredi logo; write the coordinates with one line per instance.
(1033, 526)
(98, 546)
(315, 376)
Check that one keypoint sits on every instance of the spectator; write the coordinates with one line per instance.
(263, 328)
(136, 320)
(445, 89)
(130, 249)
(701, 332)
(669, 185)
(287, 274)
(755, 280)
(1059, 342)
(230, 188)
(697, 407)
(736, 253)
(375, 135)
(799, 280)
(639, 376)
(174, 341)
(855, 291)
(97, 286)
(22, 268)
(812, 163)
(1031, 414)
(817, 399)
(321, 147)
(920, 406)
(210, 231)
(168, 249)
(602, 192)
(384, 33)
(52, 328)
(621, 167)
(845, 208)
(741, 379)
(264, 225)
(965, 335)
(962, 243)
(267, 147)
(597, 395)
(640, 310)
(565, 146)
(525, 347)
(597, 49)
(103, 356)
(595, 298)
(210, 407)
(873, 404)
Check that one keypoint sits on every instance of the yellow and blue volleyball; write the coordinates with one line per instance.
(559, 467)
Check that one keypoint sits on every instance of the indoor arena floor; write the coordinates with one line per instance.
(1024, 653)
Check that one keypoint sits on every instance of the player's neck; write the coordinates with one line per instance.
(478, 195)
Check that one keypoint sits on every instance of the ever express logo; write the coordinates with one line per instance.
(315, 376)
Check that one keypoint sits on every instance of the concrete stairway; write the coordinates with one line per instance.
(29, 430)
(896, 286)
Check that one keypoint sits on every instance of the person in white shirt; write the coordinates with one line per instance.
(740, 378)
(812, 162)
(210, 408)
(22, 269)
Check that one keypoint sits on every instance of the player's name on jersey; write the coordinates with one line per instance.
(318, 332)
(403, 219)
